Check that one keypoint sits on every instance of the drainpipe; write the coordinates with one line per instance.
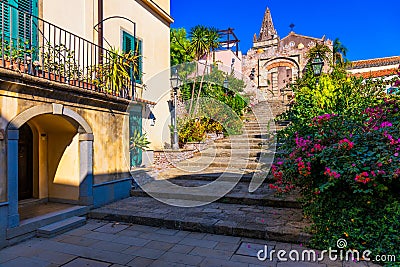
(100, 34)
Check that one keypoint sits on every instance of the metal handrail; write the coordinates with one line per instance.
(39, 48)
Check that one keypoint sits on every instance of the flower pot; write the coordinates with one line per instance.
(14, 66)
(50, 76)
(82, 84)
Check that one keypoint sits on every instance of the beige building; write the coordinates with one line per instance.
(65, 121)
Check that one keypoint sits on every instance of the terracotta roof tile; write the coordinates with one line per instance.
(140, 100)
(375, 74)
(376, 62)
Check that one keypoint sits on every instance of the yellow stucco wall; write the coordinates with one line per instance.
(79, 17)
(164, 4)
(57, 154)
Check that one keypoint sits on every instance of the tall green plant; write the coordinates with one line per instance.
(139, 141)
(212, 42)
(321, 50)
(114, 74)
(198, 46)
(180, 47)
(339, 53)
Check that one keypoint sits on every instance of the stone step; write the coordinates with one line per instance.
(259, 122)
(262, 129)
(61, 226)
(241, 139)
(212, 162)
(29, 226)
(209, 191)
(228, 145)
(270, 223)
(253, 153)
(213, 173)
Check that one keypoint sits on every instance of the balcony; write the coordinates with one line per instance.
(32, 46)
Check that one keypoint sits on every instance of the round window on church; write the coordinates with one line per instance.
(292, 44)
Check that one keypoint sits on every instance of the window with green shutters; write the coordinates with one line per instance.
(131, 43)
(18, 24)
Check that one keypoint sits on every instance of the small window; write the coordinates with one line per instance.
(131, 43)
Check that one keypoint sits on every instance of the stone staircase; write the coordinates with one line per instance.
(221, 190)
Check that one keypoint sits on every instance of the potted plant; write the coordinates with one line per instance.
(16, 56)
(114, 75)
(59, 64)
(139, 148)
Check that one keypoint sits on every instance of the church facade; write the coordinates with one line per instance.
(273, 63)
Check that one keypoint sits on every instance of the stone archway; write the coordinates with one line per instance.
(277, 73)
(85, 154)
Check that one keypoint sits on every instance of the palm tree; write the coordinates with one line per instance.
(212, 42)
(339, 53)
(198, 41)
(198, 46)
(321, 50)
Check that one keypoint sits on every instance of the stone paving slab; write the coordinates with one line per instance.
(280, 224)
(184, 248)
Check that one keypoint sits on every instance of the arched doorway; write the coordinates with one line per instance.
(275, 75)
(62, 158)
(25, 162)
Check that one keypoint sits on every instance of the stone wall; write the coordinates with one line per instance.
(164, 159)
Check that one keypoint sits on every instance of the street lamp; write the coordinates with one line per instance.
(226, 84)
(176, 82)
(317, 64)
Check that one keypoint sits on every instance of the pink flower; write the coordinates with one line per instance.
(346, 144)
(386, 124)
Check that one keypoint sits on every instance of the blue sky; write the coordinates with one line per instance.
(368, 28)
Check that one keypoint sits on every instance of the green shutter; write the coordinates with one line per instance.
(130, 44)
(21, 21)
(5, 11)
(26, 22)
(135, 124)
(138, 49)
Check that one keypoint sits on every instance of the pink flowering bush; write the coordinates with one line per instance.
(348, 171)
(333, 151)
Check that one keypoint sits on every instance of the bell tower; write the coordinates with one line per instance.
(268, 35)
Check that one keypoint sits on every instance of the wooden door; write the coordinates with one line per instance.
(25, 163)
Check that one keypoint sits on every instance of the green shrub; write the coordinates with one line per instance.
(345, 159)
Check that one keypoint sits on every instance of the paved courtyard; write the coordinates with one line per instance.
(100, 243)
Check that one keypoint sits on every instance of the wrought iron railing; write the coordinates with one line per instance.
(36, 47)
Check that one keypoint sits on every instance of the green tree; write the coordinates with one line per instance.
(339, 53)
(180, 50)
(198, 46)
(212, 42)
(321, 50)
